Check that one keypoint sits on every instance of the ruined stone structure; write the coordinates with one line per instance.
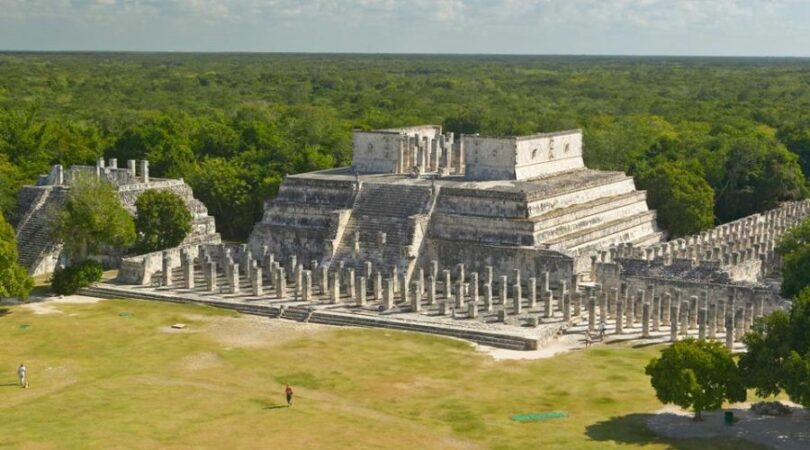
(413, 195)
(38, 250)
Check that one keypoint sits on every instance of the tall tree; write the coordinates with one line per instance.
(93, 217)
(684, 201)
(795, 250)
(14, 280)
(162, 220)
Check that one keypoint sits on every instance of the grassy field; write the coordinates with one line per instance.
(113, 375)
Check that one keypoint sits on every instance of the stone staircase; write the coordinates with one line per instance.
(34, 230)
(383, 208)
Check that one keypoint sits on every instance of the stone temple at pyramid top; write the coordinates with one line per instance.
(425, 149)
(416, 195)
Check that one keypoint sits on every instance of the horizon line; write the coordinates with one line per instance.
(351, 53)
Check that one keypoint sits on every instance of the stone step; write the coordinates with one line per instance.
(592, 234)
(568, 220)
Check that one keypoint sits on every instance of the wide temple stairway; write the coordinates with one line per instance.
(388, 209)
(34, 233)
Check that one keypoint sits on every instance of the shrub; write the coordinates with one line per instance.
(70, 279)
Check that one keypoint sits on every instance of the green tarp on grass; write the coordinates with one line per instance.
(533, 417)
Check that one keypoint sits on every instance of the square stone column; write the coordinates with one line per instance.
(503, 286)
(619, 317)
(532, 285)
(517, 300)
(167, 270)
(448, 290)
(350, 288)
(388, 295)
(334, 298)
(431, 290)
(281, 283)
(645, 320)
(378, 287)
(360, 296)
(306, 288)
(211, 277)
(188, 272)
(416, 298)
(256, 282)
(233, 281)
(487, 297)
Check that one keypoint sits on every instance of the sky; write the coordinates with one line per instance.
(598, 27)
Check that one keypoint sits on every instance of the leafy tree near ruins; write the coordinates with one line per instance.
(759, 174)
(696, 374)
(92, 217)
(162, 220)
(14, 280)
(684, 201)
(795, 250)
(778, 356)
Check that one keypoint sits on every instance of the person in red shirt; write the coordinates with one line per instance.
(289, 393)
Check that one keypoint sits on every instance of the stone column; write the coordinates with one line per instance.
(503, 287)
(488, 279)
(361, 291)
(350, 289)
(603, 307)
(420, 278)
(388, 295)
(619, 317)
(566, 305)
(306, 289)
(395, 279)
(334, 298)
(167, 270)
(516, 273)
(459, 295)
(666, 308)
(712, 321)
(693, 312)
(684, 318)
(645, 320)
(591, 313)
(144, 171)
(577, 304)
(472, 310)
(431, 290)
(404, 289)
(416, 302)
(474, 287)
(234, 280)
(547, 304)
(533, 293)
(368, 270)
(281, 282)
(211, 278)
(487, 297)
(729, 332)
(188, 272)
(739, 324)
(630, 313)
(517, 305)
(378, 287)
(656, 313)
(448, 291)
(702, 316)
(460, 270)
(673, 324)
(299, 280)
(256, 281)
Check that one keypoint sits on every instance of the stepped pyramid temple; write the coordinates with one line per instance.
(414, 195)
(507, 242)
(40, 253)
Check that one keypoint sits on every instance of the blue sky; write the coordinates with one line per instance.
(633, 27)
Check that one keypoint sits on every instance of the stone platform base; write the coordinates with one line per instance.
(513, 334)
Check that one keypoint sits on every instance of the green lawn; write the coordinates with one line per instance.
(104, 379)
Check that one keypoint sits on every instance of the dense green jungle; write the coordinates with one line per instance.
(711, 139)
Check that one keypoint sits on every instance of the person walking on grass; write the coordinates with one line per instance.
(289, 393)
(21, 374)
(602, 328)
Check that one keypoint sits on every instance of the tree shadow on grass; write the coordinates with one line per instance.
(4, 312)
(632, 429)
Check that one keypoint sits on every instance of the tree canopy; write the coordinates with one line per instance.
(91, 218)
(696, 374)
(162, 220)
(14, 280)
(778, 356)
(795, 250)
(683, 200)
